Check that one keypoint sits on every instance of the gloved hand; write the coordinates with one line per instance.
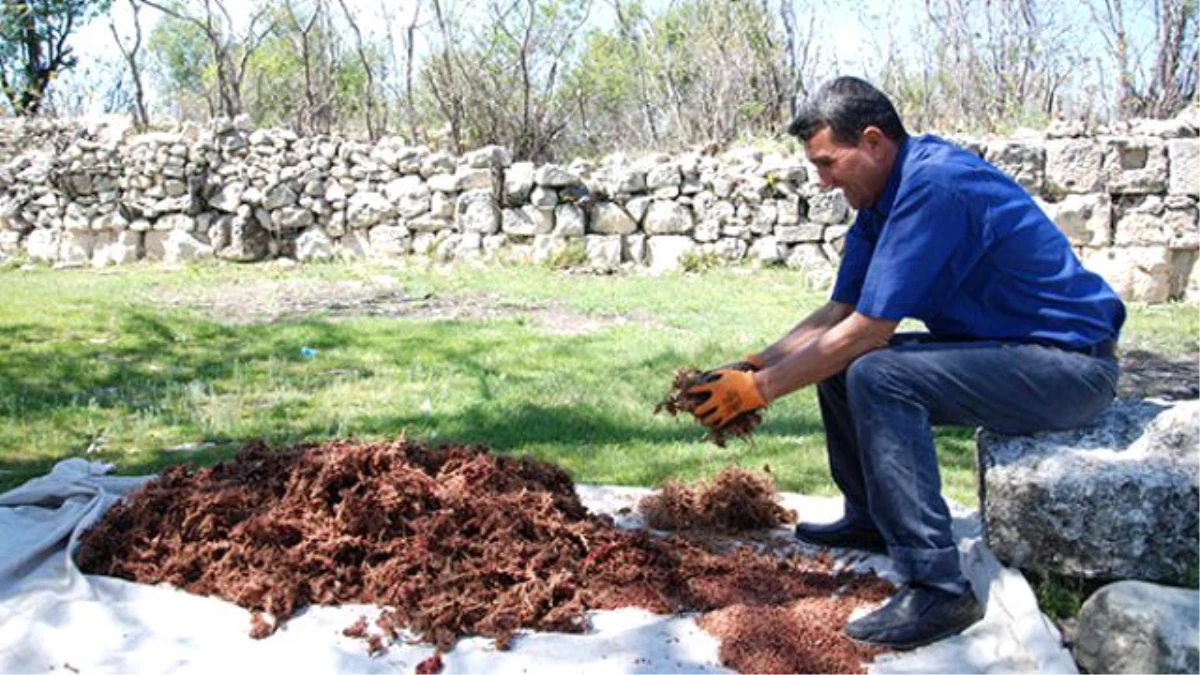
(724, 394)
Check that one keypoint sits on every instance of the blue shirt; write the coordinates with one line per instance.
(954, 242)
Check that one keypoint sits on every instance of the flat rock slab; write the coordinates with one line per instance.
(1116, 500)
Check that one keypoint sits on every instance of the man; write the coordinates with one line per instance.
(1021, 338)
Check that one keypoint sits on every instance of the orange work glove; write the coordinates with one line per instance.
(725, 394)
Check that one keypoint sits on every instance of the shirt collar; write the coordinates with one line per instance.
(883, 206)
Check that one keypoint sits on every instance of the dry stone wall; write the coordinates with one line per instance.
(72, 195)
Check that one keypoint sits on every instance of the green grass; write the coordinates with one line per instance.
(124, 366)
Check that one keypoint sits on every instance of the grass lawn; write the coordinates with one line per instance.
(145, 367)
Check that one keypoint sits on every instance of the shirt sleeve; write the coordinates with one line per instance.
(856, 256)
(922, 255)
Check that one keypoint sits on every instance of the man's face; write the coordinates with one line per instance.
(859, 171)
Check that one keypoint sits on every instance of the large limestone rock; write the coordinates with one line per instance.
(116, 248)
(42, 245)
(76, 247)
(610, 218)
(368, 208)
(314, 244)
(1024, 161)
(518, 182)
(828, 207)
(249, 241)
(1136, 165)
(1138, 627)
(667, 217)
(1184, 154)
(569, 220)
(1114, 500)
(1073, 165)
(666, 253)
(1137, 273)
(180, 247)
(1085, 219)
(603, 251)
(477, 211)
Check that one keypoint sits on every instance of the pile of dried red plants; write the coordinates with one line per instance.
(677, 400)
(453, 541)
(734, 500)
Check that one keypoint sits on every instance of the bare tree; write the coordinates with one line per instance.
(309, 32)
(399, 81)
(373, 110)
(1170, 83)
(131, 52)
(231, 50)
(630, 32)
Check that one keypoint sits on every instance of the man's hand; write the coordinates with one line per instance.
(724, 394)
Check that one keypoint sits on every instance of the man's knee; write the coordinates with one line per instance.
(876, 373)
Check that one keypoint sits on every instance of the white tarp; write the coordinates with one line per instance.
(53, 618)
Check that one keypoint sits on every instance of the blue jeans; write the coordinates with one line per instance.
(879, 415)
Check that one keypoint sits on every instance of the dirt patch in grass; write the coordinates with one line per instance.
(259, 301)
(454, 541)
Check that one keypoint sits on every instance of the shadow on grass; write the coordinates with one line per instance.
(48, 379)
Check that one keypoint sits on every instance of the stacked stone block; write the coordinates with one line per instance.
(1127, 199)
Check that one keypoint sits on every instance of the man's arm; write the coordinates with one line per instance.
(820, 320)
(823, 344)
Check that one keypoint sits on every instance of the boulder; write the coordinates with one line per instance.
(1139, 627)
(1116, 500)
(603, 251)
(42, 244)
(569, 220)
(667, 217)
(1184, 154)
(1086, 220)
(1023, 161)
(611, 218)
(1073, 165)
(1136, 165)
(666, 253)
(180, 246)
(477, 211)
(390, 241)
(518, 182)
(829, 207)
(249, 241)
(554, 176)
(368, 208)
(1137, 273)
(313, 244)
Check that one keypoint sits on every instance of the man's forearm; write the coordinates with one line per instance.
(823, 353)
(821, 320)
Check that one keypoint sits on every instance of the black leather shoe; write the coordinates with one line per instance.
(842, 534)
(917, 615)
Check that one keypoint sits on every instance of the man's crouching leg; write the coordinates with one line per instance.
(904, 496)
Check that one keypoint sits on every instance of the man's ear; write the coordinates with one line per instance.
(873, 136)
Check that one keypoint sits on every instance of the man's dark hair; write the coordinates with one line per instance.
(847, 105)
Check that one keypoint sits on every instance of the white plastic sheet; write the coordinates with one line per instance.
(53, 618)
